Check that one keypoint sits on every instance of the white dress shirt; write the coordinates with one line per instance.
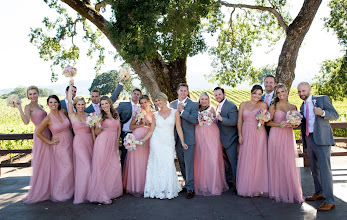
(67, 106)
(312, 116)
(178, 102)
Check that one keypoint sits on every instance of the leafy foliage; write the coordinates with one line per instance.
(22, 92)
(108, 81)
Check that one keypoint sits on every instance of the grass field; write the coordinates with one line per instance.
(11, 122)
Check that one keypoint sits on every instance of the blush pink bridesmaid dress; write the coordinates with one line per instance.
(136, 164)
(252, 172)
(106, 179)
(40, 183)
(82, 157)
(284, 175)
(62, 179)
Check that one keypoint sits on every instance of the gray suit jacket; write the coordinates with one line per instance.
(63, 105)
(125, 111)
(263, 97)
(228, 127)
(90, 109)
(189, 118)
(322, 133)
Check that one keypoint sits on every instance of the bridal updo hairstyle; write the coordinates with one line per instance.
(278, 86)
(113, 111)
(56, 98)
(77, 99)
(161, 96)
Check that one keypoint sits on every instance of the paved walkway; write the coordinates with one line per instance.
(14, 185)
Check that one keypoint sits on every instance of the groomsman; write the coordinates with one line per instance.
(189, 118)
(318, 137)
(125, 111)
(64, 103)
(269, 84)
(227, 123)
(95, 97)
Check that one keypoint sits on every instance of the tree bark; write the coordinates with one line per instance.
(296, 32)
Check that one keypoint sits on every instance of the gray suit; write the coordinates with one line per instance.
(63, 105)
(228, 132)
(90, 109)
(318, 146)
(189, 118)
(267, 128)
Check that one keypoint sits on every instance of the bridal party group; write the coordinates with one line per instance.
(250, 148)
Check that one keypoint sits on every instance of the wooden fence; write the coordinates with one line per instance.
(4, 137)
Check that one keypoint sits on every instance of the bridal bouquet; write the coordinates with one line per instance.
(139, 115)
(70, 71)
(130, 142)
(92, 119)
(294, 117)
(262, 115)
(124, 72)
(12, 99)
(205, 118)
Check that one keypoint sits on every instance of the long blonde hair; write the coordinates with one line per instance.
(209, 100)
(278, 86)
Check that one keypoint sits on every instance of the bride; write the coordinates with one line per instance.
(161, 177)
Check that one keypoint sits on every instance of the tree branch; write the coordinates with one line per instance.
(100, 5)
(261, 8)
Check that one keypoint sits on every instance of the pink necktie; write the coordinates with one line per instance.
(267, 99)
(97, 109)
(307, 119)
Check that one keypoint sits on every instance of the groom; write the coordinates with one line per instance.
(189, 117)
(317, 138)
(227, 123)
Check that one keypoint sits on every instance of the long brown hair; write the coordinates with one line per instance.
(278, 86)
(113, 111)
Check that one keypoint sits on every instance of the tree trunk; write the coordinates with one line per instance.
(296, 33)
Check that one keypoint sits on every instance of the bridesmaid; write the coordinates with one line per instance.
(209, 174)
(284, 176)
(252, 174)
(40, 180)
(136, 160)
(62, 175)
(82, 146)
(106, 179)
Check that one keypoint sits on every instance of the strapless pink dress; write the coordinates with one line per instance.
(134, 177)
(284, 175)
(252, 172)
(40, 183)
(106, 180)
(209, 174)
(82, 155)
(62, 180)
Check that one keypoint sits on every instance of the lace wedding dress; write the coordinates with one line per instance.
(161, 177)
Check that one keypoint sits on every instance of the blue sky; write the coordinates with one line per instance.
(21, 65)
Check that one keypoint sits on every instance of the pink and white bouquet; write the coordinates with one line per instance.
(205, 118)
(130, 142)
(93, 119)
(12, 99)
(124, 73)
(139, 115)
(70, 71)
(262, 115)
(294, 117)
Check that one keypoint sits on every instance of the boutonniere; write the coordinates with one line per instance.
(184, 104)
(314, 101)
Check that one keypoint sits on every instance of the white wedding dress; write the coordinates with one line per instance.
(161, 177)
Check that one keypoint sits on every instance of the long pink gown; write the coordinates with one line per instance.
(106, 180)
(209, 174)
(134, 176)
(82, 155)
(62, 179)
(42, 153)
(252, 173)
(284, 176)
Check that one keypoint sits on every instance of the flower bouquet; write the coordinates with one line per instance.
(70, 71)
(12, 99)
(124, 73)
(92, 119)
(139, 115)
(293, 117)
(262, 115)
(130, 142)
(205, 118)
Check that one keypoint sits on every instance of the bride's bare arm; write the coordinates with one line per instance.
(150, 132)
(179, 129)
